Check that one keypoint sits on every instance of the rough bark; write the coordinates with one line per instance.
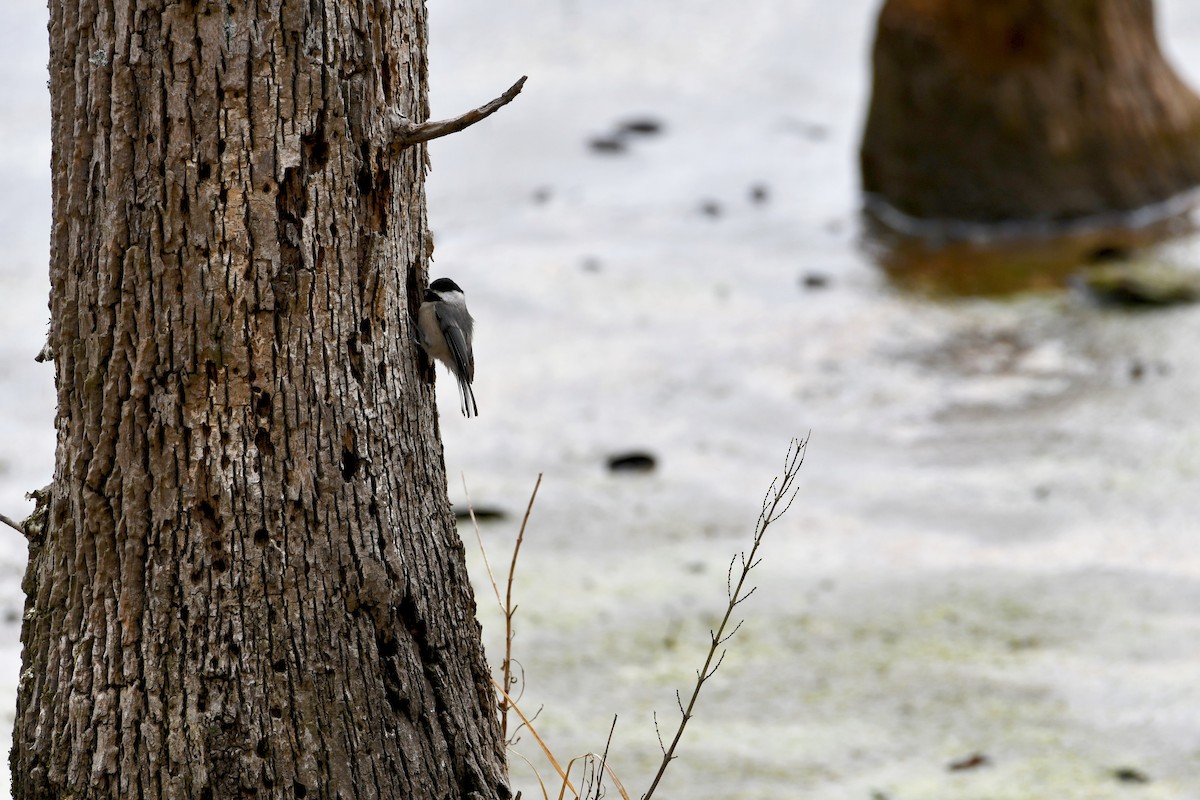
(1025, 110)
(249, 581)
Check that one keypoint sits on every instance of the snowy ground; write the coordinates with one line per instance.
(994, 550)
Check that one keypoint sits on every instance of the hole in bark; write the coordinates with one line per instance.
(351, 461)
(184, 205)
(210, 370)
(300, 789)
(252, 376)
(356, 357)
(364, 181)
(364, 331)
(388, 647)
(149, 138)
(266, 188)
(204, 171)
(373, 508)
(380, 370)
(280, 665)
(235, 649)
(260, 749)
(225, 462)
(262, 406)
(206, 793)
(276, 712)
(262, 440)
(316, 149)
(1016, 40)
(261, 538)
(219, 565)
(223, 196)
(207, 511)
(217, 545)
(221, 96)
(201, 704)
(395, 701)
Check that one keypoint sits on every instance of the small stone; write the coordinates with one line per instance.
(607, 145)
(633, 461)
(814, 280)
(482, 513)
(1130, 775)
(1107, 253)
(641, 126)
(973, 761)
(1135, 283)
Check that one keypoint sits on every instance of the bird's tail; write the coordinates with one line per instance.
(468, 399)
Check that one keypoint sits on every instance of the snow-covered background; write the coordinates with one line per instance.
(995, 547)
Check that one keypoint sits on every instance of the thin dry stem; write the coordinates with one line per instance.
(776, 503)
(510, 609)
(479, 539)
(536, 774)
(542, 744)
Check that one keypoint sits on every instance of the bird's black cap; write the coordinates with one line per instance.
(445, 285)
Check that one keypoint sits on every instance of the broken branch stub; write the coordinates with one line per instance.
(401, 132)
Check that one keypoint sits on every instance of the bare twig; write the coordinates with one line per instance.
(776, 503)
(403, 132)
(604, 757)
(510, 609)
(16, 526)
(658, 732)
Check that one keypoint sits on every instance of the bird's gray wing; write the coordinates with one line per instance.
(458, 339)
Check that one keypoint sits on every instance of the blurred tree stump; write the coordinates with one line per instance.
(1046, 110)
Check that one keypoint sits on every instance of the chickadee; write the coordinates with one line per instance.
(444, 328)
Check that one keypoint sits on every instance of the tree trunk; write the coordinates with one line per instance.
(1025, 110)
(249, 582)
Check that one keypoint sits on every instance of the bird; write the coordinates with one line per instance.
(444, 329)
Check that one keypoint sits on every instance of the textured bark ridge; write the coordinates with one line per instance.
(1012, 110)
(249, 583)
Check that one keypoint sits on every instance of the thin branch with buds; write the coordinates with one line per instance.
(778, 500)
